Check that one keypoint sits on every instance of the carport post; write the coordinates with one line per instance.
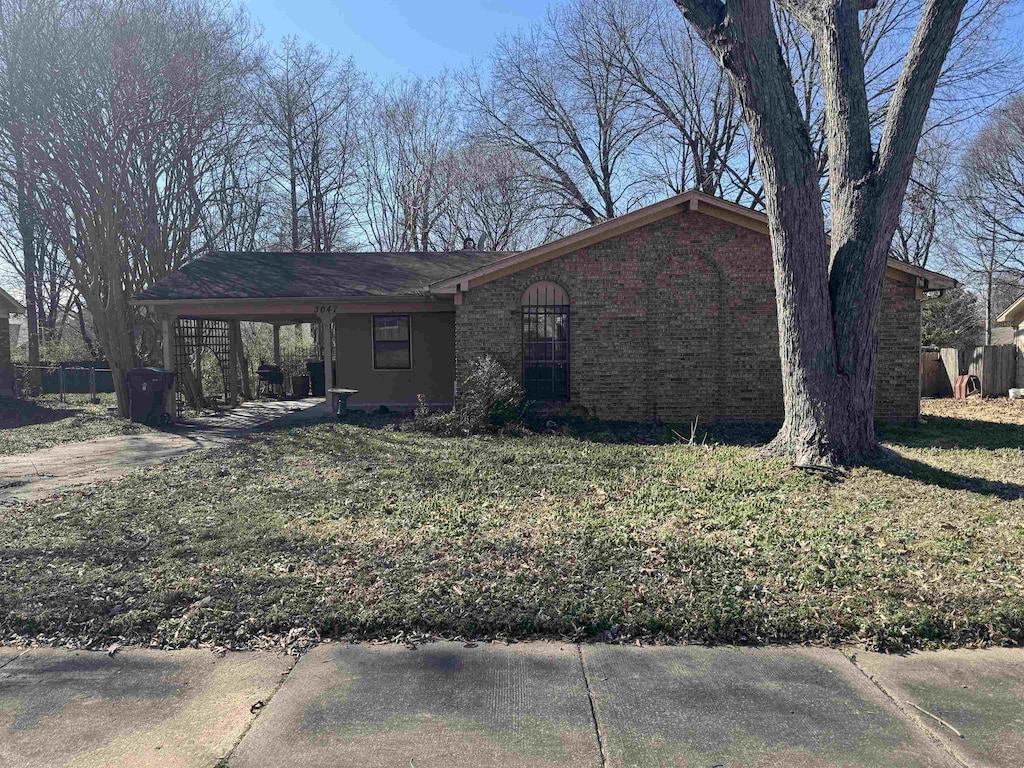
(233, 358)
(327, 339)
(167, 332)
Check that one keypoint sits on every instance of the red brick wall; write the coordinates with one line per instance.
(675, 320)
(898, 373)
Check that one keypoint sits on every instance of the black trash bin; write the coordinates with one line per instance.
(316, 377)
(147, 389)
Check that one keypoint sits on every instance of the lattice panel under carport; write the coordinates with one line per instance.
(192, 339)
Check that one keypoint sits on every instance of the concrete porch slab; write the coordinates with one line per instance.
(440, 706)
(139, 707)
(252, 415)
(980, 693)
(785, 707)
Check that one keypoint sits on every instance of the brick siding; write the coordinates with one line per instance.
(676, 320)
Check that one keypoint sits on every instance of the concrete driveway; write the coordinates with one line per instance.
(454, 705)
(36, 475)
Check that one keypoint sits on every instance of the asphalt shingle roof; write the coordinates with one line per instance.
(273, 275)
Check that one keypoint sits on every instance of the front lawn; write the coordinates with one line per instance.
(44, 421)
(354, 531)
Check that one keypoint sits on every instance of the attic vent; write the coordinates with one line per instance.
(469, 244)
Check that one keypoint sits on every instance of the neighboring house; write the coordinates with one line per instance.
(8, 306)
(1013, 317)
(1002, 335)
(666, 312)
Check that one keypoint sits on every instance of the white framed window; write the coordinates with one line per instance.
(392, 342)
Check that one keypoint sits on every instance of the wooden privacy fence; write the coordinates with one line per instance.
(995, 367)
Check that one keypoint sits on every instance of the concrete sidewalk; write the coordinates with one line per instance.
(449, 705)
(36, 475)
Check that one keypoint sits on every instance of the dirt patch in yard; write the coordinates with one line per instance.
(41, 422)
(1001, 410)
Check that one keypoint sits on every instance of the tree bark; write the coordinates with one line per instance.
(827, 296)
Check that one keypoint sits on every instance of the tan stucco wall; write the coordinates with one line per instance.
(1019, 337)
(433, 361)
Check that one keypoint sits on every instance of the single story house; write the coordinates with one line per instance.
(1013, 318)
(8, 306)
(666, 312)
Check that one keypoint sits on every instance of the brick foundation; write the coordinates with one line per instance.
(677, 320)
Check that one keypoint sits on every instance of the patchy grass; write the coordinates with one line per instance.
(356, 531)
(41, 422)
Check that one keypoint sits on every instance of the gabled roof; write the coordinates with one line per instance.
(1013, 314)
(692, 200)
(270, 275)
(10, 304)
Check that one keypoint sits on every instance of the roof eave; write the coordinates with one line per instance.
(1013, 314)
(582, 239)
(384, 299)
(933, 281)
(692, 200)
(14, 306)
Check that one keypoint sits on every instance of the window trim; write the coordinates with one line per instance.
(373, 341)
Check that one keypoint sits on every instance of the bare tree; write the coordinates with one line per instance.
(982, 66)
(241, 204)
(26, 28)
(827, 304)
(991, 264)
(697, 136)
(56, 297)
(553, 95)
(929, 209)
(134, 127)
(490, 201)
(989, 249)
(306, 98)
(409, 133)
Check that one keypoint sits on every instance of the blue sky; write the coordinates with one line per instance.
(397, 37)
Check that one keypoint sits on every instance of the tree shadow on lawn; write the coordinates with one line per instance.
(892, 463)
(25, 413)
(951, 433)
(934, 432)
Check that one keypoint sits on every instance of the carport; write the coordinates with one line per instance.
(351, 296)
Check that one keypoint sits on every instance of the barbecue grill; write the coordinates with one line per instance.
(270, 380)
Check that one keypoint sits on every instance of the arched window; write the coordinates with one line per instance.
(546, 342)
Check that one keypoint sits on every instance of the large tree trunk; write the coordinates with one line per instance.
(827, 294)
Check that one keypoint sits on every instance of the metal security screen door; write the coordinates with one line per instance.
(546, 342)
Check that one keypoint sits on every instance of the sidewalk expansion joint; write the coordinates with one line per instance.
(593, 709)
(14, 658)
(905, 714)
(225, 761)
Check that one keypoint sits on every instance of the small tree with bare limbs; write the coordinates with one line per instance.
(827, 291)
